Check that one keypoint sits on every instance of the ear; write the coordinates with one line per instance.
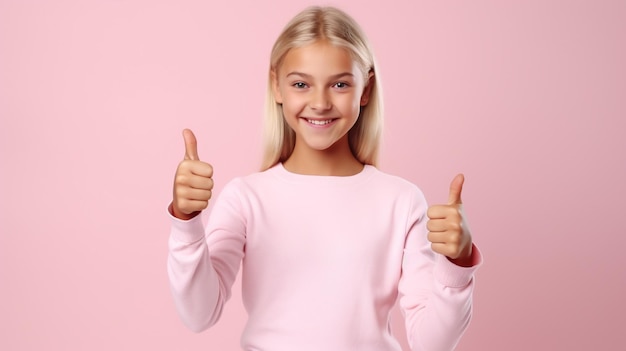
(275, 88)
(365, 97)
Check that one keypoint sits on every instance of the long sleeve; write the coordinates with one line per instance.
(203, 264)
(326, 259)
(435, 294)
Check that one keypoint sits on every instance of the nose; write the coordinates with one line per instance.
(320, 100)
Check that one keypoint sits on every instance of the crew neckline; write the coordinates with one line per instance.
(280, 170)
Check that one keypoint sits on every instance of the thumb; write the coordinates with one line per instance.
(191, 145)
(455, 190)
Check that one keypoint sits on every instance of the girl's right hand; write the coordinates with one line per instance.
(192, 183)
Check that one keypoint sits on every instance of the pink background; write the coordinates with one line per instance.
(527, 98)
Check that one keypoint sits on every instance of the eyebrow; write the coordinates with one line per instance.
(308, 76)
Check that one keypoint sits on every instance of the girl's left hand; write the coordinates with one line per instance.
(448, 229)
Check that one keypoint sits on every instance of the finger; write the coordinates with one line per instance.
(193, 182)
(436, 237)
(191, 145)
(455, 190)
(191, 194)
(436, 225)
(443, 211)
(195, 167)
(202, 183)
(188, 179)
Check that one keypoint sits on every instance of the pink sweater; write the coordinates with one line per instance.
(324, 261)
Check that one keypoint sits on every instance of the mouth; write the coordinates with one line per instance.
(319, 122)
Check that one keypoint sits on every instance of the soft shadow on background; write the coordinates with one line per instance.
(527, 99)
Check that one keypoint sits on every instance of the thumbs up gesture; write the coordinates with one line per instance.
(192, 183)
(449, 233)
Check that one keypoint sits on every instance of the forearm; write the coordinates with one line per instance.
(194, 283)
(438, 317)
(442, 322)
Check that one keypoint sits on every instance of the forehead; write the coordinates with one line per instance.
(319, 58)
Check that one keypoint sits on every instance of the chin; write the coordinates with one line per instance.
(322, 146)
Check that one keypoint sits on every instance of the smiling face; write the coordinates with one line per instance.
(321, 89)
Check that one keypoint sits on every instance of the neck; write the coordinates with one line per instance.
(334, 161)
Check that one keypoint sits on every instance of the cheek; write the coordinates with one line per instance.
(292, 104)
(290, 113)
(350, 104)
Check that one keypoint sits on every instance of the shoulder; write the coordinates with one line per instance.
(400, 191)
(240, 194)
(246, 183)
(252, 179)
(395, 182)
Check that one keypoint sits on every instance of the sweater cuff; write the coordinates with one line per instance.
(186, 231)
(451, 275)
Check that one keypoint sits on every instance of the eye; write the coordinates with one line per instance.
(341, 85)
(299, 85)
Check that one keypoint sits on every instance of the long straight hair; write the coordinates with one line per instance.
(339, 29)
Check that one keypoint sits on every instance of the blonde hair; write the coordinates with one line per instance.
(339, 29)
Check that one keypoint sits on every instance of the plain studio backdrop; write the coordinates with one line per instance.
(527, 98)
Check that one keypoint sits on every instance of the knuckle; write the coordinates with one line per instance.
(450, 210)
(454, 226)
(181, 178)
(430, 212)
(454, 240)
(184, 165)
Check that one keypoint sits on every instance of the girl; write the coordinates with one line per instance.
(326, 241)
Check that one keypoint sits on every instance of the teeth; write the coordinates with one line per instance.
(319, 123)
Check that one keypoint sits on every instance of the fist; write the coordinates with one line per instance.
(449, 233)
(192, 183)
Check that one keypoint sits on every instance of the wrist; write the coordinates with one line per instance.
(180, 215)
(466, 258)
